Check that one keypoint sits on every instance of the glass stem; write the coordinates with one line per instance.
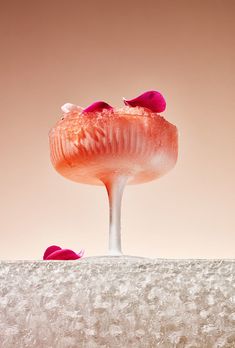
(115, 187)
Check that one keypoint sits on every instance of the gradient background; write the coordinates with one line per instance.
(56, 51)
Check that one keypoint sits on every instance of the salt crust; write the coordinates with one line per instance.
(112, 302)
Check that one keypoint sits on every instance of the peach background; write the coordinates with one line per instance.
(80, 51)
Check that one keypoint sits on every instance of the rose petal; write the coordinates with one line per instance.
(63, 254)
(98, 106)
(81, 253)
(152, 100)
(50, 250)
(68, 107)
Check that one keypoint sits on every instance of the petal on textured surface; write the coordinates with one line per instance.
(51, 249)
(63, 254)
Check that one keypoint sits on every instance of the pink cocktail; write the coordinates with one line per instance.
(102, 145)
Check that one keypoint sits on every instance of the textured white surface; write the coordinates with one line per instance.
(111, 302)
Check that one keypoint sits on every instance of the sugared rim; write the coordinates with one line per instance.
(137, 111)
(148, 104)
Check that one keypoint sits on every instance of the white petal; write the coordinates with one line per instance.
(68, 107)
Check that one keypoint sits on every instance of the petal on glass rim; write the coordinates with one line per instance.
(97, 106)
(152, 100)
(68, 107)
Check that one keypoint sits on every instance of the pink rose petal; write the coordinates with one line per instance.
(97, 106)
(55, 252)
(63, 254)
(152, 100)
(50, 250)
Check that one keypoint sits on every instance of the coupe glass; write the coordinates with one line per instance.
(113, 147)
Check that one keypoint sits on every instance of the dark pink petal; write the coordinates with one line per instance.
(97, 106)
(50, 250)
(152, 100)
(63, 254)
